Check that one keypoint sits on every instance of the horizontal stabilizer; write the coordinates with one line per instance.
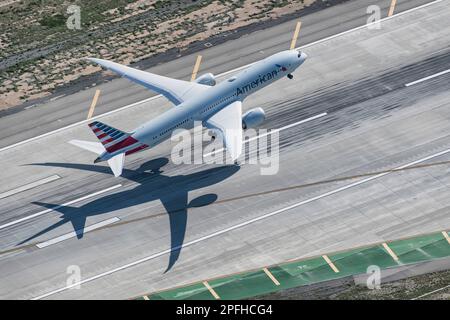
(95, 147)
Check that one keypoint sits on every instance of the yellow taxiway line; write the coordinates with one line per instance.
(389, 250)
(446, 236)
(93, 104)
(392, 8)
(270, 275)
(296, 32)
(196, 67)
(214, 293)
(330, 263)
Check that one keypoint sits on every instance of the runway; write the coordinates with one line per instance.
(249, 48)
(335, 189)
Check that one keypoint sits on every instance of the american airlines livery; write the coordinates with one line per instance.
(217, 106)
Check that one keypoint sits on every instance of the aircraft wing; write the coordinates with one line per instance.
(176, 91)
(228, 122)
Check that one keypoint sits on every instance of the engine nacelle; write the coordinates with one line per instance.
(207, 79)
(253, 118)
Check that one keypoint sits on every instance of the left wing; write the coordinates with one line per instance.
(228, 122)
(176, 91)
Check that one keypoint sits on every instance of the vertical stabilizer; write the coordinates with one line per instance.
(116, 164)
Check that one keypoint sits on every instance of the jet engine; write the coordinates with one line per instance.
(207, 79)
(253, 118)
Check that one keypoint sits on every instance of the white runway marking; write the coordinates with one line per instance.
(427, 78)
(220, 75)
(29, 186)
(77, 232)
(240, 225)
(272, 132)
(59, 206)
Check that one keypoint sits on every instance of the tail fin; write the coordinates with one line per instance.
(107, 135)
(116, 164)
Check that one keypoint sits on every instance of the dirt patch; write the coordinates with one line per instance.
(40, 55)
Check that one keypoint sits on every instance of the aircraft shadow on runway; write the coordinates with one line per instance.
(172, 191)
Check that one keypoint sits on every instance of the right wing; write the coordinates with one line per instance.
(228, 122)
(176, 91)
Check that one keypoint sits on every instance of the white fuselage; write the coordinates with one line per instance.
(236, 88)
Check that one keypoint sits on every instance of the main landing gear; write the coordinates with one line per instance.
(290, 76)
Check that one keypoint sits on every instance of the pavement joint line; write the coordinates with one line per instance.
(220, 75)
(93, 104)
(271, 276)
(427, 78)
(392, 8)
(446, 236)
(237, 226)
(75, 233)
(196, 67)
(29, 186)
(213, 292)
(59, 206)
(272, 132)
(330, 263)
(391, 253)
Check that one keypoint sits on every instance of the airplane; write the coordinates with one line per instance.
(217, 106)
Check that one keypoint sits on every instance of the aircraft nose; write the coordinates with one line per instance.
(302, 55)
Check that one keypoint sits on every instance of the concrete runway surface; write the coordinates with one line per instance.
(374, 123)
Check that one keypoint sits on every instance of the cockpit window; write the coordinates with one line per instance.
(231, 79)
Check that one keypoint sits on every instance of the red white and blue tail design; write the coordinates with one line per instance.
(107, 135)
(113, 139)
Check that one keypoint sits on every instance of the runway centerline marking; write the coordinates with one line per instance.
(29, 186)
(391, 253)
(446, 236)
(73, 234)
(240, 225)
(272, 132)
(330, 263)
(220, 75)
(40, 213)
(213, 292)
(93, 104)
(270, 275)
(427, 78)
